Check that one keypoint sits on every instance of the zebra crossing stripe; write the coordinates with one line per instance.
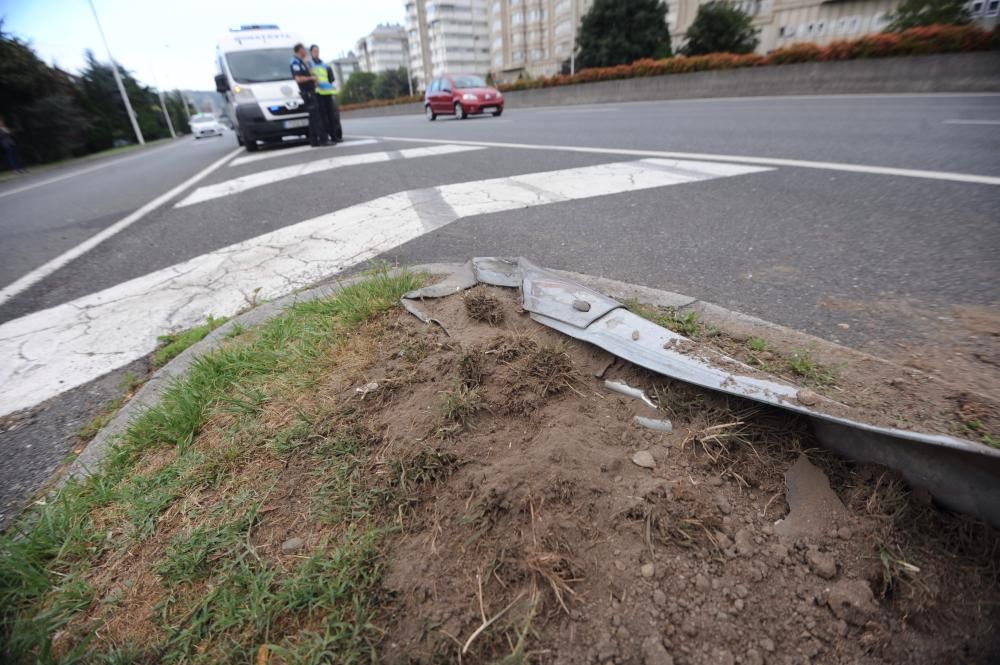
(54, 350)
(261, 178)
(285, 152)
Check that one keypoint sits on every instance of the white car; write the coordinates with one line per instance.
(205, 124)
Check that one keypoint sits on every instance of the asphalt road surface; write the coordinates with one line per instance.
(872, 221)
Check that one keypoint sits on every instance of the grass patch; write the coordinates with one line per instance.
(803, 366)
(175, 344)
(223, 600)
(459, 406)
(671, 318)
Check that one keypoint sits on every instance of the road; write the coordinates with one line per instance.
(870, 221)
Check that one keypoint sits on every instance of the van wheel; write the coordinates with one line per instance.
(431, 115)
(251, 145)
(460, 111)
(498, 113)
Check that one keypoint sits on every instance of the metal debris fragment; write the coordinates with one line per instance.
(658, 425)
(365, 389)
(627, 390)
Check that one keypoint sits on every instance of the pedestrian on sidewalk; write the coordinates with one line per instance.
(9, 147)
(327, 95)
(307, 89)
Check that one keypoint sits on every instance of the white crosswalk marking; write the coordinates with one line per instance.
(60, 348)
(243, 183)
(285, 152)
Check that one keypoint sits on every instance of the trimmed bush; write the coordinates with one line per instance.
(915, 41)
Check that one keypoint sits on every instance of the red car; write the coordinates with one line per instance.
(461, 95)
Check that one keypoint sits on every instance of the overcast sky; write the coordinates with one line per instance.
(172, 42)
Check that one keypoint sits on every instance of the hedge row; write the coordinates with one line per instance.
(915, 41)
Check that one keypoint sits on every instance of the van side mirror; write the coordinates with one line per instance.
(221, 83)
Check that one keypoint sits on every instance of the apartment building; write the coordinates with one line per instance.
(383, 49)
(532, 37)
(450, 36)
(343, 66)
(786, 22)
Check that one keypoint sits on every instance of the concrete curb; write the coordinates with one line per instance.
(150, 393)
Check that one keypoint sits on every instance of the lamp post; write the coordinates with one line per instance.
(118, 79)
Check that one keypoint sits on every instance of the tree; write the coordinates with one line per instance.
(720, 27)
(41, 104)
(391, 84)
(359, 88)
(618, 32)
(915, 13)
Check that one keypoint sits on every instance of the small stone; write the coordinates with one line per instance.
(654, 653)
(807, 397)
(778, 551)
(722, 503)
(659, 598)
(724, 658)
(753, 657)
(767, 644)
(581, 305)
(635, 335)
(647, 570)
(688, 628)
(644, 458)
(292, 545)
(740, 591)
(844, 533)
(852, 601)
(822, 564)
(738, 604)
(701, 583)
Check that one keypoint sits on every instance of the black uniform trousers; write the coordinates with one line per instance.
(331, 118)
(315, 119)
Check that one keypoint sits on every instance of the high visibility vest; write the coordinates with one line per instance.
(323, 85)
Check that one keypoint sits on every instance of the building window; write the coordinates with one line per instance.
(562, 6)
(976, 8)
(993, 8)
(563, 28)
(517, 19)
(517, 56)
(498, 59)
(517, 38)
(498, 43)
(538, 54)
(536, 15)
(497, 25)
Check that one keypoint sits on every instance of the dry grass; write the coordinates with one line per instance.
(481, 306)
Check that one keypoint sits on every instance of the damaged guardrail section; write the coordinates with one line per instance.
(961, 474)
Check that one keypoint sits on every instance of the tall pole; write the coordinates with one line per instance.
(118, 78)
(572, 46)
(163, 104)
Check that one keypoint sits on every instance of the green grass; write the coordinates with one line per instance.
(174, 344)
(803, 366)
(45, 558)
(758, 344)
(683, 323)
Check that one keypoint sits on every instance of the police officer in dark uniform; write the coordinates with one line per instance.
(307, 88)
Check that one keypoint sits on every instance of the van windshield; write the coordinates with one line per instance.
(260, 66)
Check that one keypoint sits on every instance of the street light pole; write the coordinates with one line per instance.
(118, 78)
(163, 104)
(572, 46)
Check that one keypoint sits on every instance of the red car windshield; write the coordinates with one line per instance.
(469, 82)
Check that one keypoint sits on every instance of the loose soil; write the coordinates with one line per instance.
(522, 530)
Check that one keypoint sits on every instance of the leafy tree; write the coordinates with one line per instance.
(40, 104)
(617, 32)
(391, 84)
(359, 88)
(916, 13)
(720, 27)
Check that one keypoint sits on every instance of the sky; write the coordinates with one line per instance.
(171, 43)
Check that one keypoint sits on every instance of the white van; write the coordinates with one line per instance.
(253, 74)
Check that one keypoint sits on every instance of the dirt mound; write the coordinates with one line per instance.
(499, 504)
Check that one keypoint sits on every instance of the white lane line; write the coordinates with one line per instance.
(96, 167)
(243, 183)
(46, 269)
(971, 122)
(739, 159)
(284, 152)
(54, 350)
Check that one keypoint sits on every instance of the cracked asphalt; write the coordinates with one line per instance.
(873, 261)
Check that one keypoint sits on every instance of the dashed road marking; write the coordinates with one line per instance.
(54, 350)
(243, 183)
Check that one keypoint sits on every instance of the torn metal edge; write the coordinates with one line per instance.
(961, 474)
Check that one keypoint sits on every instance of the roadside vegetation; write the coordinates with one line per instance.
(227, 594)
(174, 344)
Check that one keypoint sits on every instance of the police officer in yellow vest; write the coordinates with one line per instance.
(328, 110)
(307, 90)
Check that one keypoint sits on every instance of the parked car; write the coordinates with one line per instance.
(461, 95)
(205, 124)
